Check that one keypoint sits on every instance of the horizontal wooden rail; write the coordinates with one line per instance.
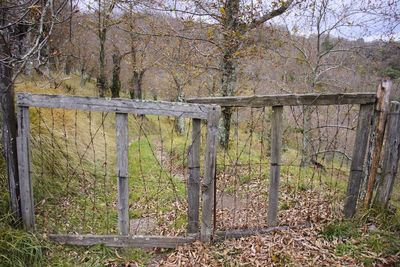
(195, 111)
(258, 101)
(122, 241)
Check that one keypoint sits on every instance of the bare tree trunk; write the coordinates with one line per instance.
(136, 91)
(9, 131)
(68, 65)
(101, 80)
(180, 121)
(228, 65)
(228, 84)
(116, 82)
(83, 76)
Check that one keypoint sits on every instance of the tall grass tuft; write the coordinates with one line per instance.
(20, 248)
(17, 247)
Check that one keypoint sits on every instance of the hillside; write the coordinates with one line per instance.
(293, 180)
(68, 201)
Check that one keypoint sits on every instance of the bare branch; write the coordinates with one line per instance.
(272, 14)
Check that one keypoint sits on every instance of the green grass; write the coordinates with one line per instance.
(354, 239)
(343, 249)
(17, 247)
(20, 248)
(340, 230)
(150, 181)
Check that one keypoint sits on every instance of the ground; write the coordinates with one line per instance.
(316, 236)
(312, 231)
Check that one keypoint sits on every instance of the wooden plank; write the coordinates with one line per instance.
(382, 108)
(25, 180)
(121, 127)
(194, 178)
(390, 156)
(357, 163)
(207, 186)
(9, 133)
(122, 241)
(140, 107)
(276, 148)
(258, 101)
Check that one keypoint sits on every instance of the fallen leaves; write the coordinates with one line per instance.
(295, 246)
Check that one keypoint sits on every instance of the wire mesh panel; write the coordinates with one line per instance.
(243, 171)
(158, 157)
(116, 168)
(316, 156)
(73, 163)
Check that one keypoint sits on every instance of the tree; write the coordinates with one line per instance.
(104, 12)
(179, 61)
(138, 52)
(316, 31)
(230, 22)
(381, 17)
(26, 27)
(82, 37)
(116, 82)
(139, 40)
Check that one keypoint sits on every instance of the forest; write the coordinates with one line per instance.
(101, 95)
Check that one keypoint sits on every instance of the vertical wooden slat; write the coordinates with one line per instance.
(390, 156)
(121, 127)
(25, 180)
(357, 163)
(9, 133)
(194, 179)
(207, 186)
(276, 148)
(382, 108)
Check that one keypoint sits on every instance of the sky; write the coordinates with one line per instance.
(343, 17)
(350, 19)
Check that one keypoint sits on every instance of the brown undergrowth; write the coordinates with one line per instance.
(317, 236)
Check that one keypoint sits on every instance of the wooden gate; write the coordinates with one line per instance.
(196, 228)
(363, 102)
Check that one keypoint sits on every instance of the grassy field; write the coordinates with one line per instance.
(75, 191)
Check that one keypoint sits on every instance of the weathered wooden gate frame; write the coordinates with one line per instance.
(121, 107)
(367, 103)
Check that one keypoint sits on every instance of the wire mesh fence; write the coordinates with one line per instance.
(74, 177)
(77, 171)
(73, 160)
(316, 157)
(74, 168)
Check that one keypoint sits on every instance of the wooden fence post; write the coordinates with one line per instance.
(9, 132)
(390, 156)
(25, 180)
(207, 186)
(382, 107)
(357, 163)
(276, 149)
(194, 179)
(121, 127)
